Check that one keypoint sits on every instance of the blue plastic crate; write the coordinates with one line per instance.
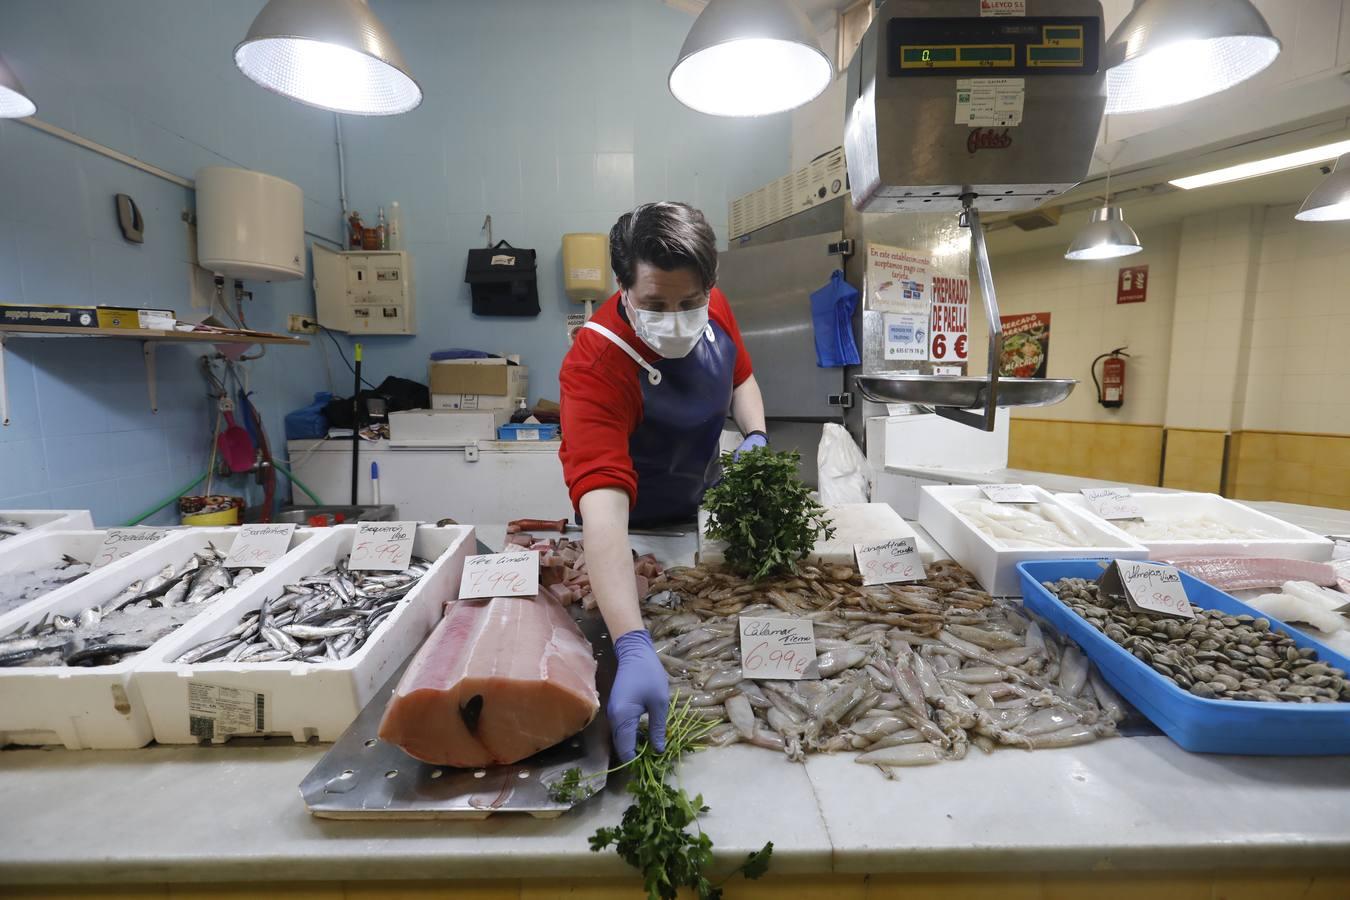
(527, 432)
(1196, 724)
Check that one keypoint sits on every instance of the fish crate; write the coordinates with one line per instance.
(97, 708)
(1277, 538)
(1200, 725)
(301, 700)
(47, 548)
(41, 521)
(994, 565)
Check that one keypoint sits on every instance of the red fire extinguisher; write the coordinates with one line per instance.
(1111, 388)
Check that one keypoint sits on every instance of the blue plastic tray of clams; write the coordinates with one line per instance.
(1195, 723)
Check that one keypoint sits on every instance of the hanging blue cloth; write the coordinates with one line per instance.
(832, 315)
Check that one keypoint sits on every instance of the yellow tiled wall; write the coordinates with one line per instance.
(1130, 453)
(1194, 460)
(1296, 468)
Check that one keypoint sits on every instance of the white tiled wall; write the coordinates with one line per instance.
(1085, 321)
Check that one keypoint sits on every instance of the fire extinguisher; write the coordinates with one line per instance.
(1111, 388)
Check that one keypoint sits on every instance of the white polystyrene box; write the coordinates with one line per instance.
(47, 548)
(993, 564)
(44, 520)
(304, 700)
(1281, 539)
(97, 708)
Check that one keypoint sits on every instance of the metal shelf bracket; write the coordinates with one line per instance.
(148, 354)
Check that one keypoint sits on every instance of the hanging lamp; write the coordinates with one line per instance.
(1105, 236)
(1330, 200)
(333, 54)
(1167, 52)
(750, 58)
(14, 100)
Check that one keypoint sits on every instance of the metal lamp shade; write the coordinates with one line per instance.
(14, 102)
(333, 54)
(750, 58)
(1330, 200)
(1167, 52)
(1105, 236)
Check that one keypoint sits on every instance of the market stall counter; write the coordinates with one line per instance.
(1135, 811)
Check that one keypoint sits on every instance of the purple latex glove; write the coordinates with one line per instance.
(639, 686)
(753, 440)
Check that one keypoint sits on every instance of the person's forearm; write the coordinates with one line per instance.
(609, 559)
(747, 406)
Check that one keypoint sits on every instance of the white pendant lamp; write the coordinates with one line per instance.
(1167, 52)
(14, 102)
(1330, 200)
(333, 54)
(750, 58)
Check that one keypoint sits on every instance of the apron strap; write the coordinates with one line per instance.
(653, 374)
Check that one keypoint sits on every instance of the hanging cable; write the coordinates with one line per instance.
(340, 351)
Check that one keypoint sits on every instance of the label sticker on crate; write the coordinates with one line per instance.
(383, 545)
(1112, 503)
(777, 648)
(889, 562)
(215, 710)
(514, 574)
(1009, 493)
(256, 546)
(120, 543)
(1147, 587)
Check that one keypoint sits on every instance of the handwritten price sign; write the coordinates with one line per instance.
(386, 546)
(120, 543)
(1147, 587)
(889, 562)
(776, 648)
(256, 546)
(514, 574)
(1009, 493)
(1112, 503)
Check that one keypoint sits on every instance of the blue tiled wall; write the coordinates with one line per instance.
(551, 116)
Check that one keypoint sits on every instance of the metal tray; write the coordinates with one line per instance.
(962, 391)
(362, 777)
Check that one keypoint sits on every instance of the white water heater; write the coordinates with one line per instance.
(250, 225)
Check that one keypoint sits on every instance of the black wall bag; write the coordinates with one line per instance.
(503, 281)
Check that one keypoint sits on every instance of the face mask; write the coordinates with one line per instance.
(671, 334)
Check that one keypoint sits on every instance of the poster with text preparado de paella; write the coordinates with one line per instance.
(1026, 345)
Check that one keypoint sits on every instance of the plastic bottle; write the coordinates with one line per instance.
(395, 230)
(382, 231)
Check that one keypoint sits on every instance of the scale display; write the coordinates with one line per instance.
(989, 47)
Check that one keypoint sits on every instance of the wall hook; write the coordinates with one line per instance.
(487, 226)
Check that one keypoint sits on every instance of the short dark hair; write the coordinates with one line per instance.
(666, 235)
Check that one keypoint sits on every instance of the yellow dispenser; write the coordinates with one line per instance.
(586, 266)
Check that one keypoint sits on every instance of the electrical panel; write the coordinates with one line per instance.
(364, 291)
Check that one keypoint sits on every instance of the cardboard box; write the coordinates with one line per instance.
(48, 316)
(464, 402)
(477, 376)
(132, 318)
(437, 428)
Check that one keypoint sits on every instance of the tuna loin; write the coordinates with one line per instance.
(497, 681)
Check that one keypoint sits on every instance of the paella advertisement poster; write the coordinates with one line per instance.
(1026, 345)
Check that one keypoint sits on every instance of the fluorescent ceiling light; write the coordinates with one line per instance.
(750, 58)
(1266, 166)
(1167, 52)
(1106, 236)
(333, 54)
(1330, 200)
(14, 101)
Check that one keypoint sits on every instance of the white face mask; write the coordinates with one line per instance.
(671, 334)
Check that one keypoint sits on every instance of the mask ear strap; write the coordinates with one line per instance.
(653, 373)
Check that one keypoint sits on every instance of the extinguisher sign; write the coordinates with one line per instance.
(951, 307)
(1132, 285)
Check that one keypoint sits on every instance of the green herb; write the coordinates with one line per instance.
(651, 836)
(572, 787)
(764, 513)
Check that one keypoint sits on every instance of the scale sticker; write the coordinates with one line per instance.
(215, 710)
(990, 102)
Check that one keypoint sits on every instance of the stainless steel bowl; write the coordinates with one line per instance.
(962, 391)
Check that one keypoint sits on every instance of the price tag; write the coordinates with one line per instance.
(1112, 503)
(514, 574)
(120, 543)
(383, 545)
(256, 546)
(1147, 587)
(889, 562)
(1009, 493)
(776, 648)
